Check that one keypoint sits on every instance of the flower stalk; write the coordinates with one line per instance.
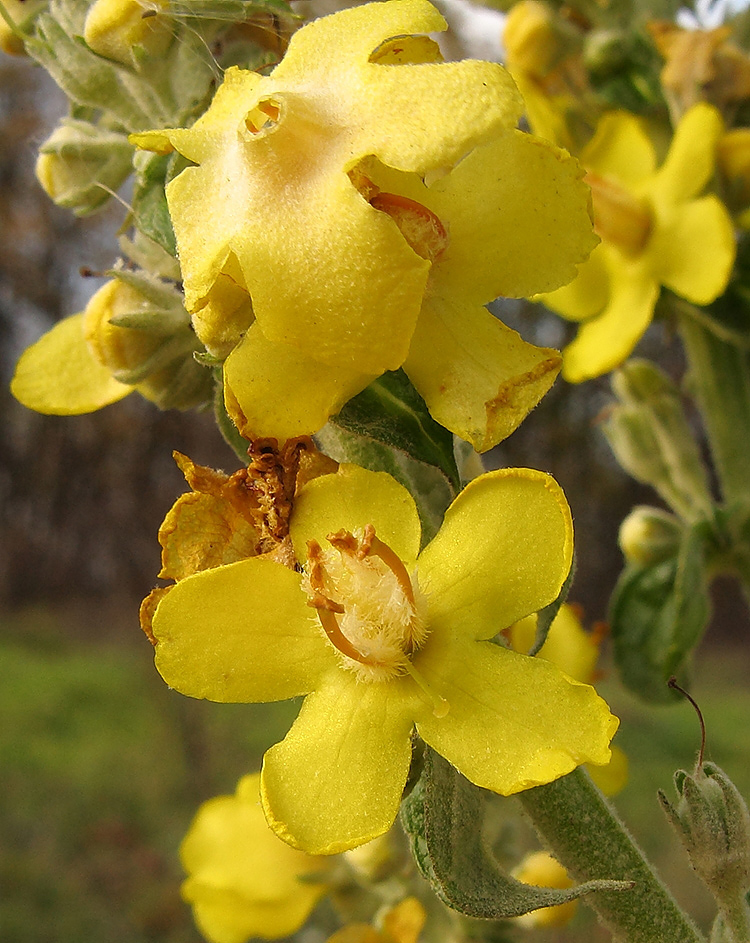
(605, 849)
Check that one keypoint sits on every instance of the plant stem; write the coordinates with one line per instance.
(585, 833)
(720, 379)
(737, 919)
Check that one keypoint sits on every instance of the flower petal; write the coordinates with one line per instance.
(504, 551)
(336, 779)
(58, 375)
(588, 293)
(353, 498)
(689, 165)
(605, 341)
(620, 148)
(693, 250)
(240, 633)
(514, 722)
(397, 112)
(478, 378)
(277, 390)
(243, 881)
(519, 219)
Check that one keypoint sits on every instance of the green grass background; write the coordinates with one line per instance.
(102, 767)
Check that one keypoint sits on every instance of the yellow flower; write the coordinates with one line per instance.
(86, 362)
(242, 880)
(382, 642)
(576, 652)
(655, 231)
(542, 870)
(315, 258)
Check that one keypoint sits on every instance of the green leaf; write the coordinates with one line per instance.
(443, 818)
(390, 411)
(657, 616)
(426, 483)
(150, 211)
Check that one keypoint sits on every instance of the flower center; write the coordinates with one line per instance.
(369, 608)
(619, 217)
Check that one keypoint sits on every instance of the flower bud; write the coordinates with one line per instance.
(80, 165)
(153, 355)
(123, 31)
(542, 870)
(19, 13)
(713, 823)
(533, 38)
(649, 535)
(651, 437)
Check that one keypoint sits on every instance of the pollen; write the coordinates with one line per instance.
(368, 605)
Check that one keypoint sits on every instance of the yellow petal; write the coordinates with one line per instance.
(542, 724)
(336, 780)
(604, 342)
(692, 155)
(478, 378)
(620, 148)
(587, 294)
(59, 375)
(351, 499)
(240, 633)
(279, 391)
(693, 250)
(399, 111)
(504, 551)
(519, 219)
(202, 531)
(242, 880)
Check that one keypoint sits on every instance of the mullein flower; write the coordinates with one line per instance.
(400, 924)
(92, 359)
(655, 229)
(315, 257)
(243, 881)
(383, 640)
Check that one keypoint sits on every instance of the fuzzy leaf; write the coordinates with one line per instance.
(391, 412)
(443, 818)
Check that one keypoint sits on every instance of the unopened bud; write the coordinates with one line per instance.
(651, 437)
(531, 39)
(606, 51)
(124, 31)
(153, 354)
(713, 823)
(18, 14)
(649, 535)
(80, 166)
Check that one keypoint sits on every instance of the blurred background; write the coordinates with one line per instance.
(101, 765)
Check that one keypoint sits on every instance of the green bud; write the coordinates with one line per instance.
(649, 535)
(712, 821)
(80, 165)
(651, 438)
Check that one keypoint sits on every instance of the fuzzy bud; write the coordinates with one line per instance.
(649, 535)
(80, 165)
(713, 823)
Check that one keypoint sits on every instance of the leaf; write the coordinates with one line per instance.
(657, 616)
(443, 818)
(426, 483)
(150, 211)
(390, 411)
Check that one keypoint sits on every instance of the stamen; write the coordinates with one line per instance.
(440, 706)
